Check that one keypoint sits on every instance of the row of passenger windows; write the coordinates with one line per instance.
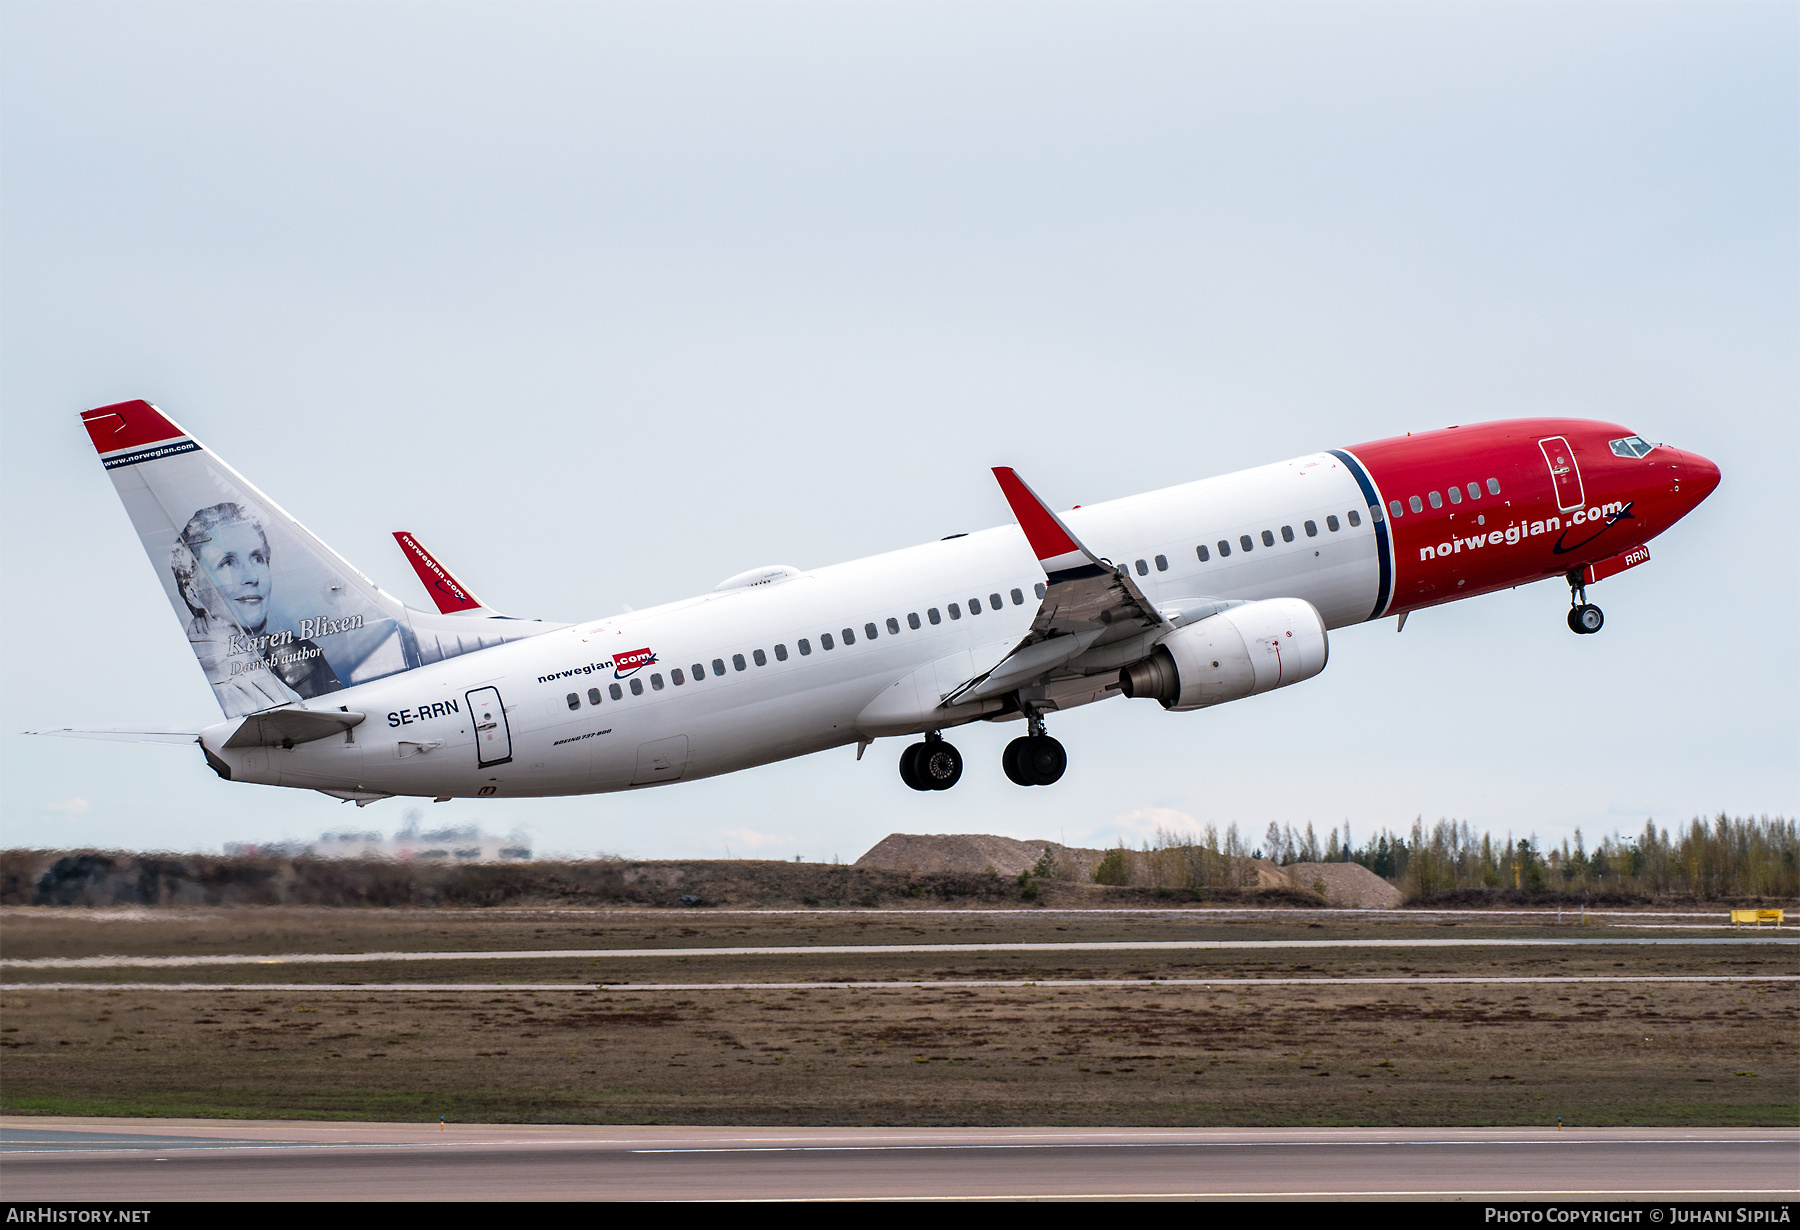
(1246, 543)
(870, 631)
(1437, 501)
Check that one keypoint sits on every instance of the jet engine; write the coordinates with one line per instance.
(1242, 651)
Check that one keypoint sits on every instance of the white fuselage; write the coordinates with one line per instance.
(420, 735)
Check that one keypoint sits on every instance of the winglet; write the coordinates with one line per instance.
(450, 594)
(1055, 546)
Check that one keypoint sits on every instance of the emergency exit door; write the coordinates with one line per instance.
(493, 738)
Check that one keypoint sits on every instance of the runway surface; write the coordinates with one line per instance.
(920, 984)
(843, 950)
(175, 1159)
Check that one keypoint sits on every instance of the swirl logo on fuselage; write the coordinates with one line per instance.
(630, 662)
(1588, 517)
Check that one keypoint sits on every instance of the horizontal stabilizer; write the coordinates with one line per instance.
(285, 727)
(124, 734)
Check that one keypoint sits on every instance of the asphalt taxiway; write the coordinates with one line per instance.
(171, 1159)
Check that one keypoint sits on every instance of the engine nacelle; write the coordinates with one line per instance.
(1240, 652)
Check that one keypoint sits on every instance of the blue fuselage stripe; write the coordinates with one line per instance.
(1384, 551)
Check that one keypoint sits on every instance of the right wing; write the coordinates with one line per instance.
(1087, 600)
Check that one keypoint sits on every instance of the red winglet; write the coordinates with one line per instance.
(127, 424)
(1043, 530)
(449, 593)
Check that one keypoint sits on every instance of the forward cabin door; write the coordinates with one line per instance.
(493, 738)
(1565, 475)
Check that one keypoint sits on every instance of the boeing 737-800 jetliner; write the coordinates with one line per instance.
(1190, 596)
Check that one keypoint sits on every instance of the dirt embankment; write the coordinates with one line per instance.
(902, 870)
(1345, 885)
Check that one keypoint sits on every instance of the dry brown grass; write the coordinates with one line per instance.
(1665, 1053)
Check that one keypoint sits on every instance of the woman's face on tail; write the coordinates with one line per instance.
(236, 559)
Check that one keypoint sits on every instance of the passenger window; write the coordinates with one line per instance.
(593, 696)
(1375, 513)
(974, 606)
(676, 677)
(1287, 533)
(574, 700)
(931, 613)
(781, 653)
(825, 640)
(870, 631)
(912, 620)
(699, 672)
(1456, 495)
(1224, 548)
(637, 687)
(1245, 543)
(1311, 528)
(1040, 590)
(955, 611)
(1203, 553)
(656, 682)
(759, 657)
(893, 626)
(1268, 538)
(1355, 518)
(1017, 597)
(1493, 486)
(1162, 563)
(1394, 506)
(737, 661)
(804, 646)
(1331, 523)
(1416, 504)
(616, 693)
(1143, 567)
(1437, 501)
(1474, 491)
(719, 667)
(994, 601)
(849, 635)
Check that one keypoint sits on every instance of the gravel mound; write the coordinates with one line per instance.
(954, 852)
(1346, 885)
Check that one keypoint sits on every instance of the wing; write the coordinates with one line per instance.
(1088, 601)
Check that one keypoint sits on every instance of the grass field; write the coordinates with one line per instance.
(1342, 1053)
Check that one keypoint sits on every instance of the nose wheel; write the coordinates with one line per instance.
(1585, 619)
(931, 765)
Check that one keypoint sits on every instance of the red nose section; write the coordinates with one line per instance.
(1700, 476)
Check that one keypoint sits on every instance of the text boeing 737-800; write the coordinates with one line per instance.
(1191, 596)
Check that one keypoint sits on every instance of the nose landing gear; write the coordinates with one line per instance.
(931, 765)
(1034, 759)
(1584, 619)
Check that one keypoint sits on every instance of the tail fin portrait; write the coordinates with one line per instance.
(273, 615)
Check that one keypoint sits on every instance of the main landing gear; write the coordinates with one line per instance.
(931, 765)
(1034, 759)
(1584, 618)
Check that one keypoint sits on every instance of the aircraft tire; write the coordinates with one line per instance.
(1586, 620)
(938, 765)
(909, 766)
(1009, 761)
(1043, 761)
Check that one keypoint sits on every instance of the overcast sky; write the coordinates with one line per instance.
(608, 302)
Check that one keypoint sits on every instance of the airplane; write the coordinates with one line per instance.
(1191, 596)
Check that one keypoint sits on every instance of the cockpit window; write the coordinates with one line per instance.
(1630, 446)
